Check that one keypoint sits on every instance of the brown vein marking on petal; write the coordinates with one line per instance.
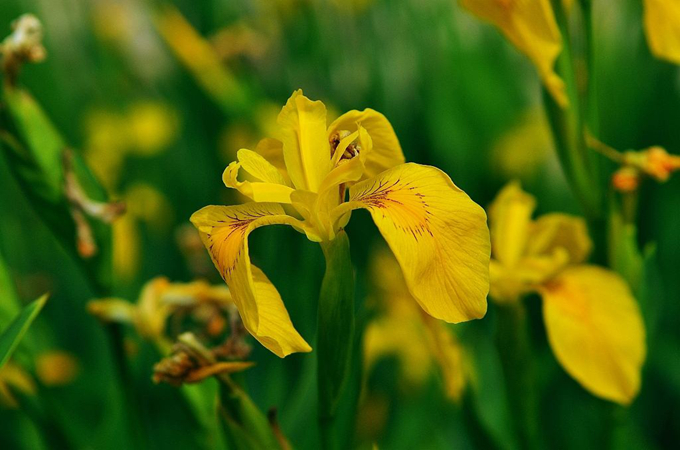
(400, 202)
(227, 240)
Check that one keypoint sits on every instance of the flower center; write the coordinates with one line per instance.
(352, 149)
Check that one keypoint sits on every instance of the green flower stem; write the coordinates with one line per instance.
(514, 347)
(335, 333)
(569, 124)
(246, 427)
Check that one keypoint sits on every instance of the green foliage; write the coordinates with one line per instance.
(12, 335)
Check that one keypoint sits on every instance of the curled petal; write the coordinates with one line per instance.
(554, 231)
(224, 231)
(437, 233)
(385, 151)
(259, 191)
(596, 331)
(306, 149)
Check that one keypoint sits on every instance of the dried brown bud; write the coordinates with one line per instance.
(23, 45)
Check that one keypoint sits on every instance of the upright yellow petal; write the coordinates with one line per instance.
(552, 231)
(437, 233)
(224, 231)
(306, 149)
(662, 28)
(386, 151)
(530, 25)
(596, 331)
(510, 217)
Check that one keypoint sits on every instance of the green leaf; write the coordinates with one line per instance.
(9, 302)
(34, 150)
(624, 255)
(9, 339)
(244, 425)
(335, 323)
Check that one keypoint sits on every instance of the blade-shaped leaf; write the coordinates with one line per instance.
(10, 338)
(34, 150)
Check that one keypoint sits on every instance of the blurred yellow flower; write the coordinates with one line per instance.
(56, 368)
(158, 300)
(593, 323)
(14, 378)
(436, 231)
(145, 129)
(403, 330)
(524, 149)
(145, 204)
(531, 27)
(662, 28)
(151, 127)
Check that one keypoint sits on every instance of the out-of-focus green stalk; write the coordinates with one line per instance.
(514, 347)
(569, 124)
(247, 428)
(335, 333)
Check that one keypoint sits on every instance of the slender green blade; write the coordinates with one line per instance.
(10, 338)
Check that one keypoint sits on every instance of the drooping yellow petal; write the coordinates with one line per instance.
(596, 331)
(224, 231)
(437, 233)
(510, 217)
(531, 27)
(662, 28)
(386, 151)
(556, 230)
(306, 149)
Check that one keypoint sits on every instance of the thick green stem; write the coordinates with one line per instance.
(335, 332)
(516, 358)
(569, 124)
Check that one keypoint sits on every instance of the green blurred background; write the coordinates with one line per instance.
(459, 97)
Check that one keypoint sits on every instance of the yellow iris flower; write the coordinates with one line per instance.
(437, 233)
(593, 323)
(158, 300)
(531, 27)
(416, 339)
(662, 28)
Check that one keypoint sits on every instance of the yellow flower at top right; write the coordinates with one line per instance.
(532, 28)
(662, 28)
